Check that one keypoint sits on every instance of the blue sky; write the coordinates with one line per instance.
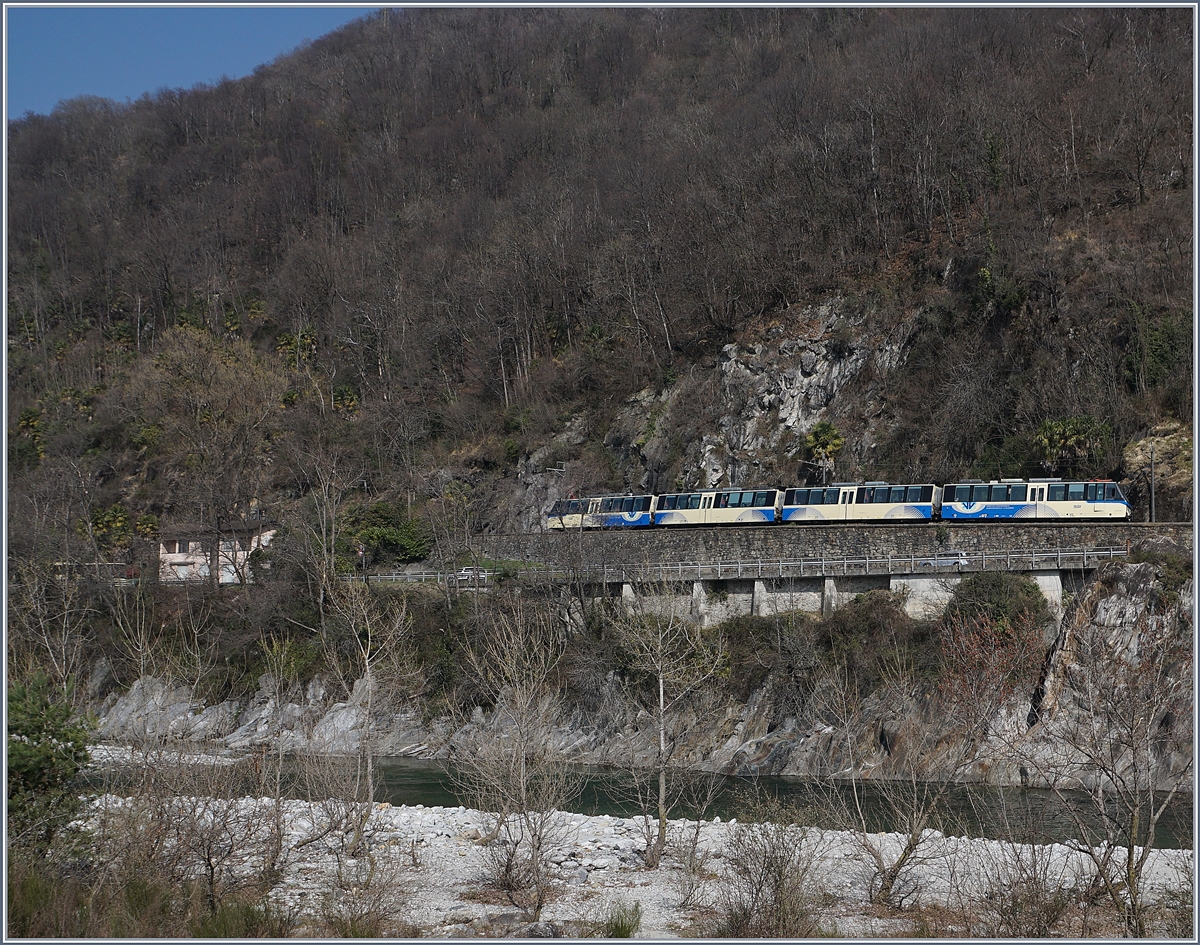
(56, 52)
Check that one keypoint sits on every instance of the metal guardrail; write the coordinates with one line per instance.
(1074, 559)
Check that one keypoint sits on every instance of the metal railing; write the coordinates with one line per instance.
(946, 563)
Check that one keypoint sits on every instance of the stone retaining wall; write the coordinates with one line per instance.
(774, 542)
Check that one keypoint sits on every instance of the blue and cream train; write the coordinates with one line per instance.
(967, 500)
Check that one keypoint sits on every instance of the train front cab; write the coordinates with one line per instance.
(611, 511)
(1033, 499)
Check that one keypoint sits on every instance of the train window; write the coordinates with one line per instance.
(667, 503)
(1058, 493)
(881, 494)
(556, 508)
(694, 501)
(1074, 491)
(1091, 492)
(1110, 490)
(799, 497)
(864, 495)
(913, 494)
(831, 496)
(926, 493)
(962, 493)
(762, 499)
(897, 494)
(979, 493)
(627, 505)
(999, 493)
(1017, 494)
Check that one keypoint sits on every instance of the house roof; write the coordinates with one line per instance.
(233, 529)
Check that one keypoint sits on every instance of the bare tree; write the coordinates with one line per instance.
(378, 628)
(675, 659)
(48, 621)
(507, 765)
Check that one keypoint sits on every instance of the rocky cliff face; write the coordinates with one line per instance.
(742, 419)
(1119, 671)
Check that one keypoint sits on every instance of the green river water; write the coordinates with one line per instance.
(1023, 814)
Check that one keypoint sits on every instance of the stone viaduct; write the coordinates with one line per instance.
(718, 573)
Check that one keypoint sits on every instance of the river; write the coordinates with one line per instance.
(1022, 814)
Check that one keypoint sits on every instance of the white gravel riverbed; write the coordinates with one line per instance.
(429, 873)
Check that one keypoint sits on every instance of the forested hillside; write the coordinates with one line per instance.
(406, 258)
(409, 285)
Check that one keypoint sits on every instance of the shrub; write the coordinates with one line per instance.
(770, 891)
(242, 920)
(47, 746)
(1000, 596)
(621, 921)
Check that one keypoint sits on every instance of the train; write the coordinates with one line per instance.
(967, 500)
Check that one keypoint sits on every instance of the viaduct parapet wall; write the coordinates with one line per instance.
(773, 542)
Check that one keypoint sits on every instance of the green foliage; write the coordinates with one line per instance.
(384, 533)
(25, 445)
(753, 648)
(298, 347)
(66, 900)
(147, 435)
(345, 398)
(110, 528)
(998, 292)
(824, 441)
(1069, 443)
(1159, 353)
(872, 634)
(242, 920)
(1001, 597)
(47, 747)
(622, 920)
(147, 526)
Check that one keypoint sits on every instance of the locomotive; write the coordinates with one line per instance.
(967, 500)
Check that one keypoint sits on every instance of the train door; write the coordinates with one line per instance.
(706, 504)
(847, 501)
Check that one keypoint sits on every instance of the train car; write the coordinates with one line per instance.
(1033, 499)
(606, 511)
(869, 501)
(718, 507)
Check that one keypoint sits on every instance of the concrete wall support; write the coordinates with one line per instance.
(829, 600)
(711, 602)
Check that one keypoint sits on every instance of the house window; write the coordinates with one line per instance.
(181, 571)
